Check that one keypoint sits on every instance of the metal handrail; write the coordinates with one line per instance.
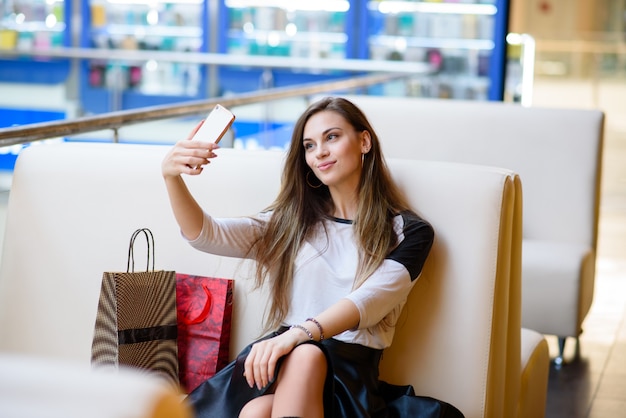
(115, 120)
(581, 45)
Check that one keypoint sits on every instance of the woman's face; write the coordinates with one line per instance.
(333, 149)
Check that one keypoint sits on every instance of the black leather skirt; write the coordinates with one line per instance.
(352, 388)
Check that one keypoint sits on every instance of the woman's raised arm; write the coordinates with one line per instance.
(186, 157)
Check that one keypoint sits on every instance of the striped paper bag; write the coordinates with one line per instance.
(136, 318)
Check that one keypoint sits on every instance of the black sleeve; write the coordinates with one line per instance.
(415, 241)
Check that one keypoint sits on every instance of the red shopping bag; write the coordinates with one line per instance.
(204, 307)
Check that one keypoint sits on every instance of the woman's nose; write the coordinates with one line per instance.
(322, 151)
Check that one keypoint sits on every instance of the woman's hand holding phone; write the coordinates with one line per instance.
(190, 155)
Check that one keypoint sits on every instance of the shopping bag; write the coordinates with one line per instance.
(136, 317)
(204, 306)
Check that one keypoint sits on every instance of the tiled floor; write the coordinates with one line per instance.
(594, 386)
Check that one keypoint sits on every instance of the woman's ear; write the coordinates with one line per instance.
(366, 142)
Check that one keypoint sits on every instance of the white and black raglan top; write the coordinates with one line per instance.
(326, 267)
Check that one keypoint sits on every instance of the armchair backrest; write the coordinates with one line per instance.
(74, 206)
(557, 152)
(463, 317)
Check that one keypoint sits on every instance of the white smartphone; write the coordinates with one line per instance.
(215, 125)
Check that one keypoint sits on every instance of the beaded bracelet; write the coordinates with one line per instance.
(319, 326)
(303, 328)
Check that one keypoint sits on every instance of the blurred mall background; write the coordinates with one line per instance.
(560, 53)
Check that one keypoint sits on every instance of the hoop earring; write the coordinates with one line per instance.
(314, 186)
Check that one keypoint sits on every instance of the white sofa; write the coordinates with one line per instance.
(558, 156)
(73, 207)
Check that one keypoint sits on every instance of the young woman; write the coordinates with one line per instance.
(340, 249)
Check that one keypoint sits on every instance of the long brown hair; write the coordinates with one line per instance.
(299, 207)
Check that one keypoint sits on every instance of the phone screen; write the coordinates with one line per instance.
(215, 125)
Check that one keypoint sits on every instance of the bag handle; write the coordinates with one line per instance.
(205, 311)
(131, 255)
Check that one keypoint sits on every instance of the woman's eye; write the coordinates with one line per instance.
(332, 136)
(308, 146)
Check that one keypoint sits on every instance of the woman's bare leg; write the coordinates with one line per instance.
(300, 384)
(299, 387)
(260, 407)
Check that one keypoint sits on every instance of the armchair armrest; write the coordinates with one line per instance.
(46, 388)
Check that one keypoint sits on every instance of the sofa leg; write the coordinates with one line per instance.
(558, 360)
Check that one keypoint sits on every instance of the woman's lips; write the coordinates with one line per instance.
(325, 166)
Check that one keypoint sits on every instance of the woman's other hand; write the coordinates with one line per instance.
(260, 365)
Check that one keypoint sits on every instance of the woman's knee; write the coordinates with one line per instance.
(306, 358)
